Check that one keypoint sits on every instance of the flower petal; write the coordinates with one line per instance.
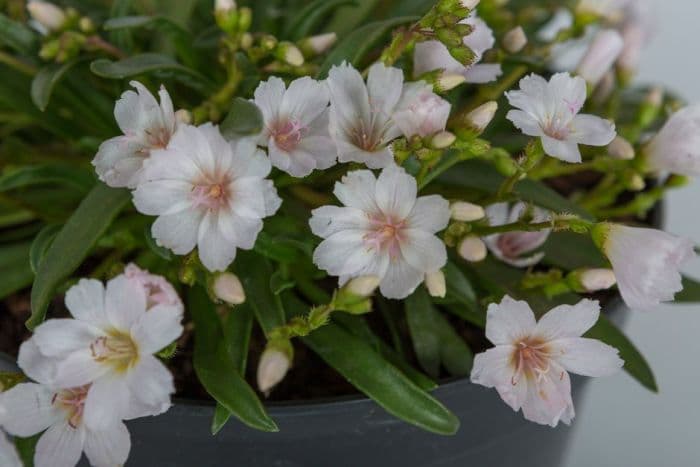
(60, 337)
(568, 320)
(561, 149)
(107, 402)
(525, 122)
(356, 190)
(60, 446)
(592, 130)
(157, 328)
(328, 220)
(125, 302)
(178, 232)
(36, 365)
(508, 321)
(430, 213)
(108, 447)
(163, 197)
(395, 192)
(384, 87)
(400, 280)
(305, 100)
(423, 250)
(215, 251)
(78, 369)
(588, 357)
(268, 98)
(549, 400)
(151, 385)
(493, 369)
(28, 409)
(85, 301)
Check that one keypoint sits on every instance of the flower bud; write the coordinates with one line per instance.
(363, 286)
(316, 45)
(47, 14)
(228, 288)
(442, 140)
(435, 282)
(272, 368)
(245, 19)
(86, 25)
(635, 182)
(466, 212)
(479, 118)
(448, 81)
(289, 53)
(472, 249)
(621, 149)
(515, 40)
(183, 116)
(602, 53)
(592, 280)
(224, 6)
(226, 15)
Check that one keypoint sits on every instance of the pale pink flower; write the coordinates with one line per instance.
(530, 363)
(420, 111)
(550, 111)
(676, 148)
(147, 126)
(646, 262)
(296, 125)
(601, 55)
(383, 230)
(512, 247)
(207, 193)
(158, 290)
(433, 55)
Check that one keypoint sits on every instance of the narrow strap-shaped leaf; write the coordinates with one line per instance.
(243, 119)
(364, 368)
(75, 177)
(569, 250)
(355, 45)
(690, 292)
(254, 273)
(310, 16)
(73, 243)
(17, 35)
(635, 363)
(45, 81)
(15, 272)
(216, 370)
(238, 326)
(41, 244)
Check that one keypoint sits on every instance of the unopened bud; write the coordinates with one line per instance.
(655, 97)
(228, 288)
(592, 280)
(515, 40)
(466, 212)
(479, 118)
(86, 25)
(448, 81)
(226, 15)
(316, 45)
(363, 286)
(635, 182)
(272, 368)
(224, 5)
(602, 53)
(47, 14)
(621, 149)
(245, 19)
(289, 53)
(442, 140)
(183, 116)
(435, 282)
(472, 249)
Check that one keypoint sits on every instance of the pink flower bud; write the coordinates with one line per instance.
(228, 288)
(435, 282)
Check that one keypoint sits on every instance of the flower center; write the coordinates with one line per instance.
(212, 196)
(385, 235)
(288, 134)
(531, 359)
(513, 244)
(116, 349)
(72, 401)
(157, 138)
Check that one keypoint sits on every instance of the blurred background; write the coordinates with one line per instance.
(620, 423)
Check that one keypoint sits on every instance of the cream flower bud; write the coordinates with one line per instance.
(472, 249)
(363, 286)
(480, 117)
(290, 53)
(320, 43)
(183, 116)
(635, 183)
(228, 288)
(448, 81)
(224, 5)
(515, 40)
(593, 280)
(47, 14)
(463, 211)
(272, 368)
(435, 282)
(621, 149)
(602, 53)
(442, 140)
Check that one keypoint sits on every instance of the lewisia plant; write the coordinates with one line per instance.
(438, 172)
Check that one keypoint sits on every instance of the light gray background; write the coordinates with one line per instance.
(621, 424)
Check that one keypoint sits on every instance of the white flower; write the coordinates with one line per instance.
(433, 55)
(8, 453)
(420, 111)
(109, 344)
(208, 193)
(296, 125)
(32, 408)
(46, 14)
(676, 148)
(158, 290)
(510, 247)
(361, 121)
(561, 20)
(147, 126)
(550, 110)
(601, 55)
(646, 262)
(530, 362)
(383, 230)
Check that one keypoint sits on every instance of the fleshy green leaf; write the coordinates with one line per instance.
(243, 119)
(569, 250)
(73, 243)
(41, 244)
(30, 175)
(162, 252)
(355, 45)
(26, 448)
(690, 292)
(279, 283)
(17, 35)
(276, 249)
(254, 273)
(364, 368)
(309, 17)
(45, 81)
(216, 369)
(15, 271)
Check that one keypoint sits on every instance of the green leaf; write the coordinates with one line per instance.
(348, 19)
(482, 176)
(243, 119)
(309, 17)
(160, 251)
(690, 292)
(17, 36)
(279, 283)
(459, 288)
(276, 249)
(26, 448)
(217, 371)
(238, 326)
(569, 250)
(149, 63)
(635, 364)
(434, 340)
(369, 372)
(15, 271)
(254, 273)
(45, 81)
(357, 44)
(41, 244)
(73, 243)
(30, 175)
